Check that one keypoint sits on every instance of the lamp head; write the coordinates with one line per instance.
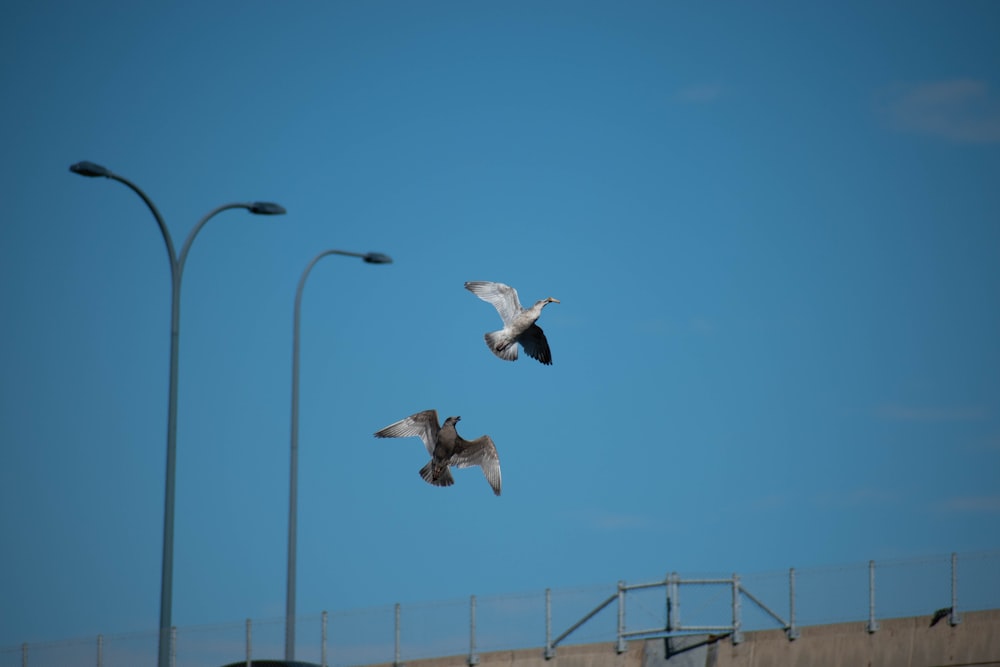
(267, 208)
(90, 169)
(377, 258)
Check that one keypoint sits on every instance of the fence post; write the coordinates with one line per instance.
(737, 613)
(395, 661)
(621, 647)
(673, 602)
(793, 632)
(249, 642)
(872, 623)
(954, 618)
(322, 639)
(549, 651)
(473, 657)
(24, 654)
(173, 646)
(100, 650)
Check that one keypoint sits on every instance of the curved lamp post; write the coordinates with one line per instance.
(176, 270)
(371, 258)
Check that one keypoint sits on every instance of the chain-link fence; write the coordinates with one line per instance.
(676, 604)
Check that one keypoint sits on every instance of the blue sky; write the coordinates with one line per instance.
(774, 231)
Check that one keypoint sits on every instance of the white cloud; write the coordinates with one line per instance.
(961, 110)
(856, 498)
(973, 504)
(699, 94)
(897, 412)
(613, 521)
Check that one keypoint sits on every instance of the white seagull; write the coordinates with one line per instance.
(518, 323)
(447, 448)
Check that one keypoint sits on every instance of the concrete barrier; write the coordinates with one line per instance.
(899, 642)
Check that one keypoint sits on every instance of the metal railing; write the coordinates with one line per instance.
(712, 605)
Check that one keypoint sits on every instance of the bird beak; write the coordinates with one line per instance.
(554, 300)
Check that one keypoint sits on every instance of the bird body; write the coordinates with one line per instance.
(518, 323)
(447, 448)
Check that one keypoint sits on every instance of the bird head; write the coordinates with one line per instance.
(548, 300)
(452, 420)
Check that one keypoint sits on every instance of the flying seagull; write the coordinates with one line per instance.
(447, 448)
(518, 323)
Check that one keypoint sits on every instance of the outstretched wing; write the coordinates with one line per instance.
(503, 297)
(479, 452)
(423, 425)
(535, 344)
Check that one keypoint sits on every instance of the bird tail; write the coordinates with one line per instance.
(501, 345)
(439, 477)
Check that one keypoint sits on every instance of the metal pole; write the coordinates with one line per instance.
(737, 612)
(954, 618)
(293, 474)
(621, 646)
(872, 623)
(100, 650)
(793, 632)
(395, 660)
(176, 269)
(249, 642)
(473, 657)
(673, 602)
(173, 646)
(24, 654)
(549, 652)
(167, 568)
(322, 642)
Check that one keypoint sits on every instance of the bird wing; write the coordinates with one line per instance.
(503, 297)
(535, 344)
(479, 452)
(423, 425)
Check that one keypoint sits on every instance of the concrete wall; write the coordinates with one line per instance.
(901, 642)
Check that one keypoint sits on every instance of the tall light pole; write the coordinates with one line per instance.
(176, 271)
(371, 258)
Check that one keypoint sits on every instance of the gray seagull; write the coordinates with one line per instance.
(518, 323)
(447, 448)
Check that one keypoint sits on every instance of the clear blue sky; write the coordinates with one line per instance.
(774, 230)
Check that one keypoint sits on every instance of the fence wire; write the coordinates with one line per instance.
(902, 587)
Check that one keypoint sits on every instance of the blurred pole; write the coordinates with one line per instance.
(396, 662)
(737, 611)
(92, 170)
(322, 641)
(293, 480)
(473, 657)
(954, 618)
(872, 623)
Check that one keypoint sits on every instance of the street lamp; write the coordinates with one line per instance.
(370, 258)
(176, 270)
